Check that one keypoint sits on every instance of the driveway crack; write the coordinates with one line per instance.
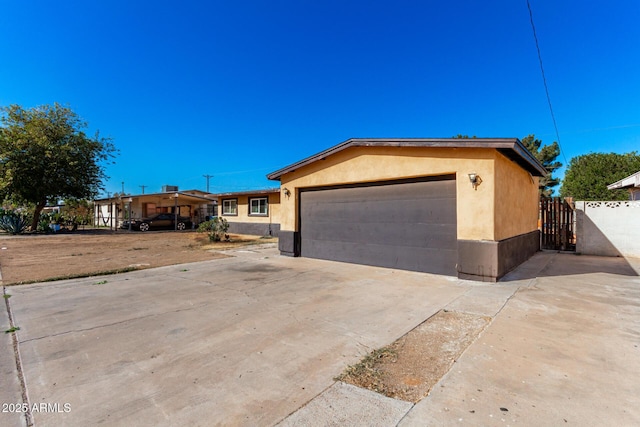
(92, 328)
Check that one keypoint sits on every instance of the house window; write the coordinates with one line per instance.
(230, 207)
(259, 206)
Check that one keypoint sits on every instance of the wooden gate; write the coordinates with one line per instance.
(557, 224)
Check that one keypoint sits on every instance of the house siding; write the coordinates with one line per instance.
(245, 223)
(516, 199)
(475, 207)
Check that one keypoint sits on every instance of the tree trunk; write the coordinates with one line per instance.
(36, 215)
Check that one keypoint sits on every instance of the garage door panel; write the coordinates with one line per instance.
(411, 235)
(406, 225)
(401, 191)
(405, 258)
(399, 210)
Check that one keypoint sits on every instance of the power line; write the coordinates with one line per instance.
(544, 80)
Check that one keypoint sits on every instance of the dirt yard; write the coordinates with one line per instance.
(409, 368)
(30, 258)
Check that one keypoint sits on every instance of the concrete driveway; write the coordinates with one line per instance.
(565, 350)
(257, 339)
(244, 340)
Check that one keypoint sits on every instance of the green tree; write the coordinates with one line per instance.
(588, 175)
(45, 155)
(78, 212)
(546, 155)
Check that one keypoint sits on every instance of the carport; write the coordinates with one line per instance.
(465, 207)
(112, 211)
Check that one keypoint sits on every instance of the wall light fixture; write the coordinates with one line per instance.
(475, 180)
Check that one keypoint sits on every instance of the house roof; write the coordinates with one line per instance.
(628, 182)
(195, 192)
(181, 194)
(510, 147)
(246, 193)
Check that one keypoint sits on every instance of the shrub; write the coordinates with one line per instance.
(216, 228)
(45, 221)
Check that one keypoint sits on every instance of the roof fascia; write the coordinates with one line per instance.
(511, 147)
(630, 181)
(134, 196)
(247, 193)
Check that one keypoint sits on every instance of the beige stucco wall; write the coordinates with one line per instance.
(516, 199)
(475, 207)
(243, 209)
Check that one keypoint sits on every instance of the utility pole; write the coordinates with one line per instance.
(208, 176)
(143, 187)
(122, 187)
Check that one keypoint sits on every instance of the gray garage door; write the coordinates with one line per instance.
(396, 224)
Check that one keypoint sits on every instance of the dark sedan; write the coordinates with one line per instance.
(157, 222)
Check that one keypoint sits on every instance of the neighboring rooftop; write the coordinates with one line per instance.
(245, 193)
(629, 182)
(186, 194)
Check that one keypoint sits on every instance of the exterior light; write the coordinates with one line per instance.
(286, 191)
(475, 180)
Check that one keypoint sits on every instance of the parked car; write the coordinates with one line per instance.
(157, 222)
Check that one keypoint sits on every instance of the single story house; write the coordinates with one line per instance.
(112, 211)
(465, 207)
(254, 212)
(631, 183)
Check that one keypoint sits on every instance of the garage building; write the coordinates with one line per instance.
(465, 207)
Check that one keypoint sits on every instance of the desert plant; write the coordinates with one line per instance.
(216, 228)
(14, 222)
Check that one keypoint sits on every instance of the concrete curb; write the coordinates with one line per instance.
(14, 390)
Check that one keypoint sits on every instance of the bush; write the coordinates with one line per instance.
(216, 228)
(45, 221)
(14, 222)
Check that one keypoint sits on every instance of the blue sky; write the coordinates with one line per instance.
(238, 89)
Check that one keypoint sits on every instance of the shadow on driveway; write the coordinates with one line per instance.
(552, 264)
